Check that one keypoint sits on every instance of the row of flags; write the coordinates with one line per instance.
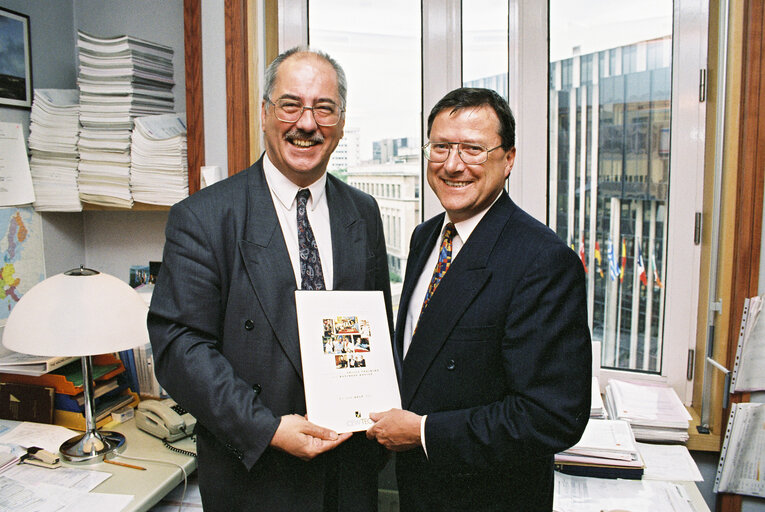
(615, 267)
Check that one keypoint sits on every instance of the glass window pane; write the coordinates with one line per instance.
(378, 44)
(484, 45)
(610, 95)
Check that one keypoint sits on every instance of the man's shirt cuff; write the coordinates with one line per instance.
(422, 434)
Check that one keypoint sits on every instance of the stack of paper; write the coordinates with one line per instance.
(607, 449)
(53, 128)
(654, 410)
(159, 168)
(119, 79)
(597, 409)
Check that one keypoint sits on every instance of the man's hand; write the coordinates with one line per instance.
(395, 429)
(301, 438)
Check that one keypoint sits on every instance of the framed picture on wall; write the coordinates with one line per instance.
(15, 60)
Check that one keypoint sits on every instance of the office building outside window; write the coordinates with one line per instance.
(609, 120)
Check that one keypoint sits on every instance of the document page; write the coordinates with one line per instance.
(15, 177)
(749, 369)
(348, 367)
(742, 459)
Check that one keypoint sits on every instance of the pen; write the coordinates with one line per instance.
(123, 464)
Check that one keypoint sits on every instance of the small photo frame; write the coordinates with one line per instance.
(15, 60)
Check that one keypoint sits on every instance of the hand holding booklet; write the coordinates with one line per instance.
(348, 368)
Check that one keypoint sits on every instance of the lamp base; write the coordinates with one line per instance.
(92, 446)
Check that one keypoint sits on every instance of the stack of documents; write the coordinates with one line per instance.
(597, 409)
(654, 411)
(53, 128)
(607, 449)
(119, 79)
(159, 167)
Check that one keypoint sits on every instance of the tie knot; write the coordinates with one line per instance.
(303, 195)
(449, 231)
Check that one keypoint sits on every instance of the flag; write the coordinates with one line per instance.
(581, 254)
(641, 267)
(656, 281)
(598, 260)
(613, 266)
(624, 261)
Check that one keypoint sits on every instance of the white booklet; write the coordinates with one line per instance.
(348, 368)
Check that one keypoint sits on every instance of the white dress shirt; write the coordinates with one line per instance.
(283, 193)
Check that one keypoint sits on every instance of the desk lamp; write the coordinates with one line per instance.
(82, 313)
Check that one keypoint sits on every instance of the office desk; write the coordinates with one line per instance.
(150, 486)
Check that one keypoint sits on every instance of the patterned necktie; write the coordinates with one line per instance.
(311, 275)
(442, 265)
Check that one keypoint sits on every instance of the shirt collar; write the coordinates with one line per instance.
(465, 228)
(285, 191)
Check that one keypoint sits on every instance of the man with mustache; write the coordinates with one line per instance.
(492, 336)
(222, 320)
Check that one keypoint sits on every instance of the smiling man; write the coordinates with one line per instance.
(492, 336)
(222, 320)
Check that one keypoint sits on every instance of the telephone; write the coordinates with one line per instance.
(164, 419)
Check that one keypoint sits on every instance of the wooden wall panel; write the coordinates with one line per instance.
(195, 122)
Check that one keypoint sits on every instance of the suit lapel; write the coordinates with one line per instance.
(462, 283)
(349, 239)
(418, 255)
(268, 266)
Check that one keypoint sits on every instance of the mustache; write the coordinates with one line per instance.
(297, 133)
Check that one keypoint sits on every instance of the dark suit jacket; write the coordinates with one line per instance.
(500, 363)
(224, 332)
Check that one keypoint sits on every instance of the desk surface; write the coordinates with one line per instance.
(150, 486)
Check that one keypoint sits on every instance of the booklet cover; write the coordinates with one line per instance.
(348, 368)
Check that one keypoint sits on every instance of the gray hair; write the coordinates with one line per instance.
(270, 75)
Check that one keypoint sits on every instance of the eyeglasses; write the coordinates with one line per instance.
(289, 111)
(471, 154)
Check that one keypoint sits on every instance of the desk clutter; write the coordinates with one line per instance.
(87, 144)
(57, 396)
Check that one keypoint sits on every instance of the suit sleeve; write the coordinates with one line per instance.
(546, 356)
(184, 324)
(382, 275)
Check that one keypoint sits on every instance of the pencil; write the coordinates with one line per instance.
(123, 464)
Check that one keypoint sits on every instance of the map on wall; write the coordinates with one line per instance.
(21, 250)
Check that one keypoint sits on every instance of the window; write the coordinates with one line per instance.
(603, 116)
(378, 45)
(613, 179)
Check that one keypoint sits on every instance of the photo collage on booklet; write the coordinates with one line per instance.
(347, 339)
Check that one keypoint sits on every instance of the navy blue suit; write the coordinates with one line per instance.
(501, 364)
(223, 328)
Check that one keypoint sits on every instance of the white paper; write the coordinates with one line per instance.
(668, 462)
(17, 496)
(742, 460)
(749, 372)
(49, 437)
(15, 177)
(348, 367)
(580, 494)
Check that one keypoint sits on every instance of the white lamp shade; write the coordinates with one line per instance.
(77, 315)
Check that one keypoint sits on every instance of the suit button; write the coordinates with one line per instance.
(451, 365)
(249, 324)
(256, 388)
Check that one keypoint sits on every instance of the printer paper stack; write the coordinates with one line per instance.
(53, 128)
(159, 169)
(119, 79)
(654, 411)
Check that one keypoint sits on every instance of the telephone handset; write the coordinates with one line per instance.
(164, 419)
